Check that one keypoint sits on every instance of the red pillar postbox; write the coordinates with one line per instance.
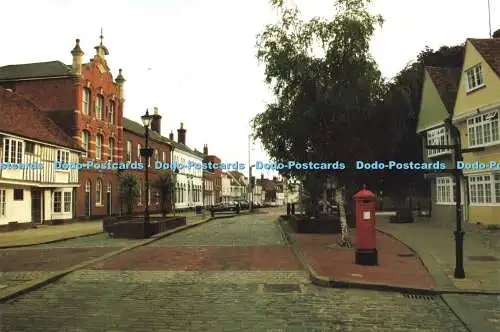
(366, 248)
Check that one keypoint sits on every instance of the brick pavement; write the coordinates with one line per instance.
(398, 266)
(227, 299)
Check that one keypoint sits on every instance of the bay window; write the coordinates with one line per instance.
(438, 136)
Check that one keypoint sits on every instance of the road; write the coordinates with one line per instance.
(233, 274)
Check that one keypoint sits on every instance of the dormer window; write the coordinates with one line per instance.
(474, 78)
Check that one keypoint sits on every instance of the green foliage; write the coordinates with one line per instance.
(129, 190)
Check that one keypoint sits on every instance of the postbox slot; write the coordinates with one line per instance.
(366, 201)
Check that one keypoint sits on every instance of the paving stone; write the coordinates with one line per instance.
(102, 303)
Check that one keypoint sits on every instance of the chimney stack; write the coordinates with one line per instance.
(275, 179)
(171, 136)
(262, 176)
(77, 54)
(181, 134)
(205, 150)
(156, 121)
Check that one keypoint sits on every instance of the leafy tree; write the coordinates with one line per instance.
(326, 101)
(164, 184)
(129, 191)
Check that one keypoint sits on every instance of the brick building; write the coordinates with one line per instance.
(216, 175)
(133, 140)
(87, 103)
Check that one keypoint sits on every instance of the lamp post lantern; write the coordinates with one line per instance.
(147, 153)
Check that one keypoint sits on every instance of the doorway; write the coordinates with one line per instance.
(36, 206)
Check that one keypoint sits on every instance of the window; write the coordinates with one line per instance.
(474, 78)
(139, 158)
(129, 151)
(57, 201)
(483, 129)
(12, 151)
(86, 101)
(29, 147)
(156, 155)
(98, 147)
(111, 149)
(438, 136)
(445, 190)
(111, 112)
(98, 192)
(157, 197)
(482, 189)
(163, 157)
(67, 201)
(2, 203)
(87, 186)
(18, 194)
(85, 143)
(62, 156)
(149, 196)
(98, 107)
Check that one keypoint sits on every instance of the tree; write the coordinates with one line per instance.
(164, 184)
(129, 190)
(325, 103)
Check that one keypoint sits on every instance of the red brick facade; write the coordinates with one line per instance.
(162, 153)
(62, 97)
(217, 177)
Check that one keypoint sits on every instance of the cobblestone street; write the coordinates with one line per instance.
(235, 274)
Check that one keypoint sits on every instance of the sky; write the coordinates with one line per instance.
(195, 60)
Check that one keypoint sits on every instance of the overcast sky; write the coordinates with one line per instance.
(202, 53)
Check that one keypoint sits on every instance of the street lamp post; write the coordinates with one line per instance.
(147, 153)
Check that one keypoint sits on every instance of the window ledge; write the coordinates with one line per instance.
(99, 205)
(488, 145)
(485, 204)
(448, 203)
(479, 87)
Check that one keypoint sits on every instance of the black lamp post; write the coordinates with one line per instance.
(147, 153)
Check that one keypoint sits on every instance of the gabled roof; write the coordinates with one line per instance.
(489, 50)
(235, 177)
(446, 81)
(34, 70)
(22, 118)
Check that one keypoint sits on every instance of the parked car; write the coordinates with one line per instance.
(224, 206)
(244, 205)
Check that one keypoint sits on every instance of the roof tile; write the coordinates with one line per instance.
(34, 70)
(490, 50)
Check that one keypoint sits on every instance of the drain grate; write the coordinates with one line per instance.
(281, 288)
(406, 255)
(419, 297)
(483, 258)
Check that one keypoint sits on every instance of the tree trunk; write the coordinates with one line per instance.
(340, 197)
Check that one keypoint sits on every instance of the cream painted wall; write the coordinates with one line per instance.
(19, 211)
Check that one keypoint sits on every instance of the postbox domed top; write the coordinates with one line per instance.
(364, 194)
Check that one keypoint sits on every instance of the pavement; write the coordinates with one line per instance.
(47, 233)
(416, 258)
(232, 274)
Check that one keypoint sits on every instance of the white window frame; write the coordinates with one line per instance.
(129, 151)
(139, 199)
(438, 136)
(445, 190)
(139, 157)
(98, 147)
(111, 147)
(484, 129)
(67, 202)
(86, 101)
(13, 150)
(60, 202)
(98, 192)
(85, 143)
(62, 156)
(157, 197)
(474, 78)
(99, 102)
(111, 112)
(156, 155)
(484, 189)
(3, 203)
(164, 156)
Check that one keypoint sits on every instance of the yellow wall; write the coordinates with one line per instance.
(487, 215)
(484, 96)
